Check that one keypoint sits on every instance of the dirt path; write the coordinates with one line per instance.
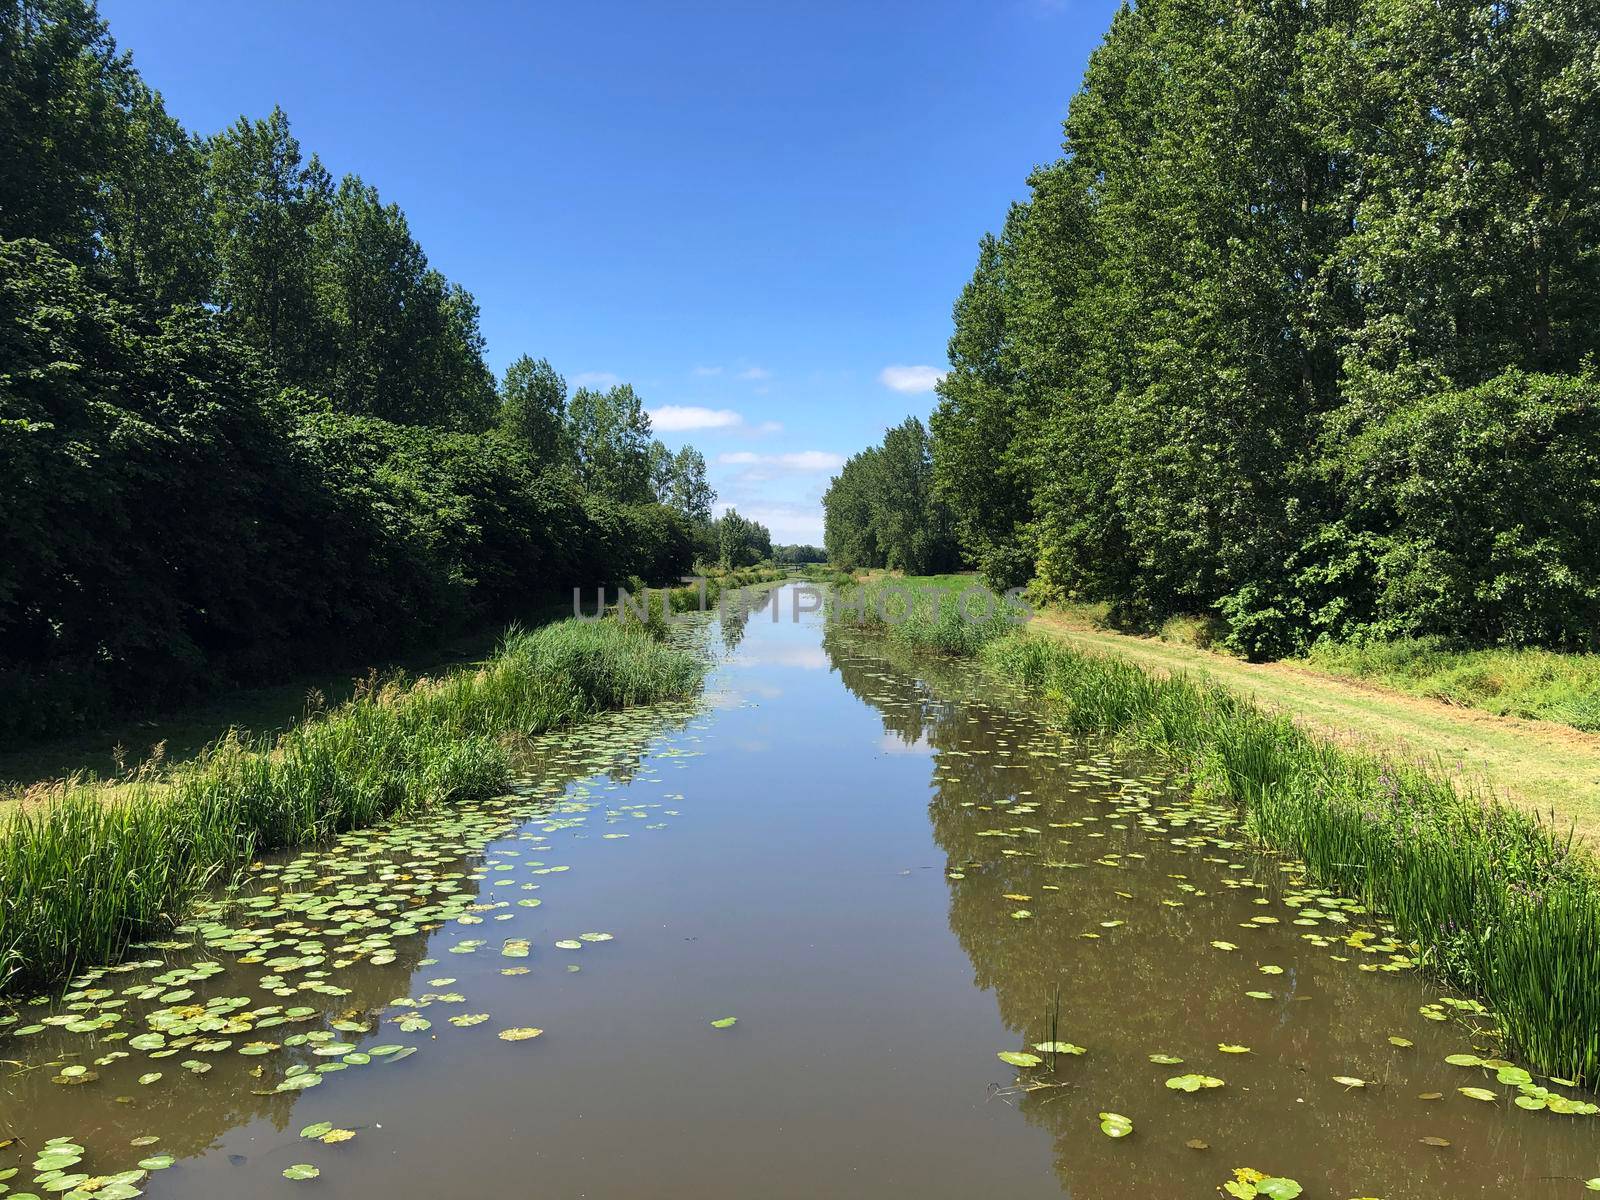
(1540, 764)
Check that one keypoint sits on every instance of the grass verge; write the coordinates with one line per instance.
(95, 864)
(1541, 684)
(1501, 903)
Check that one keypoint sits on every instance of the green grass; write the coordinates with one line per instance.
(1517, 683)
(88, 865)
(1500, 903)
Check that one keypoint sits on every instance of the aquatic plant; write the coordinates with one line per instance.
(87, 865)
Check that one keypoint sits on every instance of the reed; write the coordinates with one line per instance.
(88, 865)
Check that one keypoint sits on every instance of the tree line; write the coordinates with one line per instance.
(244, 424)
(1298, 332)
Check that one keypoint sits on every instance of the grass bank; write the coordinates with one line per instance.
(1539, 684)
(89, 865)
(1530, 683)
(1501, 903)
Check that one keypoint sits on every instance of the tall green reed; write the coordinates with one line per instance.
(88, 865)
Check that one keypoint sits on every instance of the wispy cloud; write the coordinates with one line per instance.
(592, 379)
(807, 461)
(755, 373)
(789, 522)
(910, 379)
(706, 372)
(680, 418)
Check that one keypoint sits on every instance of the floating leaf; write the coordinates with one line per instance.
(317, 1130)
(301, 1171)
(521, 1034)
(1193, 1083)
(1019, 1058)
(1115, 1125)
(1059, 1048)
(1166, 1060)
(1350, 1081)
(724, 1022)
(1401, 1042)
(334, 1136)
(1477, 1093)
(1228, 1048)
(1434, 1141)
(157, 1162)
(1276, 1188)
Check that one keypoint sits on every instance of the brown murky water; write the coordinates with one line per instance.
(837, 847)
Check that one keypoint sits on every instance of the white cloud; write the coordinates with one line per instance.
(770, 427)
(592, 379)
(789, 523)
(704, 372)
(910, 379)
(756, 373)
(807, 461)
(680, 418)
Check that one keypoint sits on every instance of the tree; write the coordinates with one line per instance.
(742, 542)
(611, 437)
(533, 411)
(62, 87)
(881, 510)
(404, 343)
(265, 204)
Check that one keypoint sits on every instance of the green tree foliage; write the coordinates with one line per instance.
(797, 554)
(611, 437)
(1282, 236)
(533, 412)
(266, 202)
(401, 342)
(882, 509)
(741, 542)
(244, 426)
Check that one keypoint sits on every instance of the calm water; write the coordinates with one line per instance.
(888, 873)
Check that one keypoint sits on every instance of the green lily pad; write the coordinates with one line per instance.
(1193, 1083)
(301, 1171)
(1019, 1058)
(1115, 1125)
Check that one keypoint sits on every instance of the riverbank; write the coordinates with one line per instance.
(1544, 766)
(87, 865)
(1498, 902)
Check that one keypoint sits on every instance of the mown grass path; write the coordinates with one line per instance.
(1539, 764)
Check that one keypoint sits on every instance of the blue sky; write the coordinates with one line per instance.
(757, 214)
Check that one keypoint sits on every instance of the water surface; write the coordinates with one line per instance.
(888, 871)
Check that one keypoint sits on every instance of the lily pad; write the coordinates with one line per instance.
(1019, 1058)
(520, 1034)
(1193, 1083)
(1115, 1125)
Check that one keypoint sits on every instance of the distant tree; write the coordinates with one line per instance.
(882, 510)
(610, 434)
(680, 481)
(742, 542)
(797, 554)
(533, 410)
